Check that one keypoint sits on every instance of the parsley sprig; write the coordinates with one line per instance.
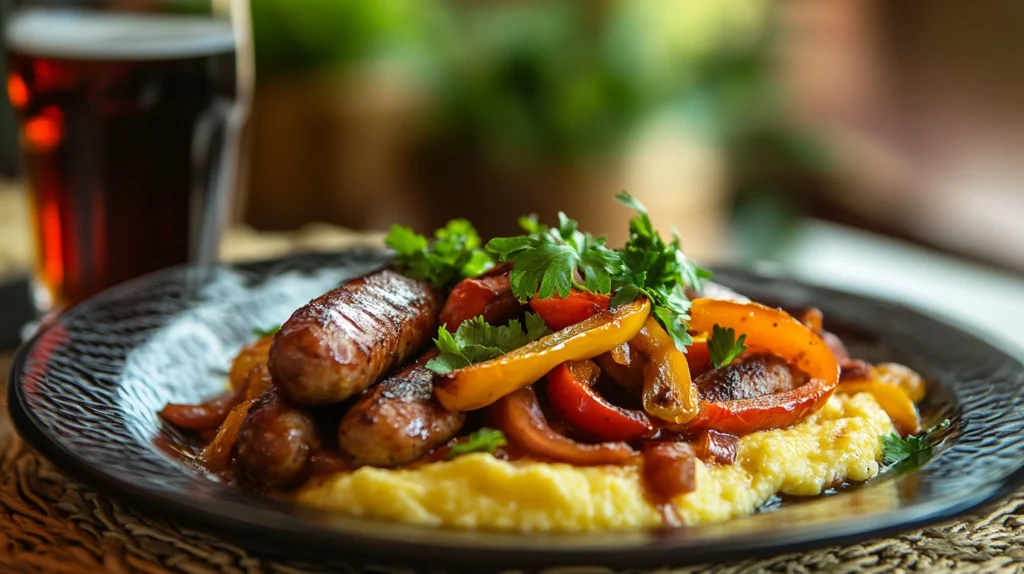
(261, 333)
(912, 451)
(724, 347)
(454, 254)
(483, 440)
(476, 341)
(657, 270)
(556, 260)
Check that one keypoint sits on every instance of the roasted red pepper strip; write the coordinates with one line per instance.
(519, 416)
(698, 357)
(489, 295)
(560, 313)
(571, 395)
(768, 331)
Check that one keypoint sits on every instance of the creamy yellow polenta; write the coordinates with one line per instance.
(839, 442)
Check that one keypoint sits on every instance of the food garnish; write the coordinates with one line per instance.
(659, 271)
(724, 347)
(483, 440)
(262, 333)
(476, 341)
(481, 384)
(549, 261)
(454, 254)
(912, 451)
(556, 261)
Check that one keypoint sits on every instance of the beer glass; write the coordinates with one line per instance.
(130, 116)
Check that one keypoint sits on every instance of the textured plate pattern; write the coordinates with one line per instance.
(85, 391)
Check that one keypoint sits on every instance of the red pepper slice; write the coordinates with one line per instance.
(559, 313)
(571, 395)
(489, 295)
(519, 416)
(768, 331)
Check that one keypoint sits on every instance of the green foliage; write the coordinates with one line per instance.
(483, 440)
(476, 341)
(723, 347)
(454, 254)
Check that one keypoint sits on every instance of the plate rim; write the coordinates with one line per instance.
(235, 528)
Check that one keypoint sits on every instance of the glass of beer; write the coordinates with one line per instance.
(130, 116)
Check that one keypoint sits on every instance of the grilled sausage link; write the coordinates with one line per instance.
(398, 420)
(342, 342)
(275, 441)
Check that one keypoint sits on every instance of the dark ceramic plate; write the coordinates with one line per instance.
(85, 392)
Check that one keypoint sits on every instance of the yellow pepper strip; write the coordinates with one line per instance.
(903, 377)
(668, 393)
(893, 400)
(479, 385)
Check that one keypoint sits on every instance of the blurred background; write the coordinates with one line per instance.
(866, 143)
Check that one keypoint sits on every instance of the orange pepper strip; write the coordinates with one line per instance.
(768, 331)
(893, 400)
(479, 385)
(217, 455)
(252, 355)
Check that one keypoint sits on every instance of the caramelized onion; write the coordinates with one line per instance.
(669, 469)
(519, 416)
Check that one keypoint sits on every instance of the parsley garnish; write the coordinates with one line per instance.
(723, 347)
(483, 440)
(657, 270)
(549, 261)
(261, 333)
(476, 341)
(454, 254)
(912, 451)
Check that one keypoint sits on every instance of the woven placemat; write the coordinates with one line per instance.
(51, 523)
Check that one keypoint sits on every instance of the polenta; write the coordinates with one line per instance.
(838, 443)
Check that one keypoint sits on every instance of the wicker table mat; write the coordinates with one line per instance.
(53, 524)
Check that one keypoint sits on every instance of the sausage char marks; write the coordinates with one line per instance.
(748, 377)
(398, 420)
(342, 342)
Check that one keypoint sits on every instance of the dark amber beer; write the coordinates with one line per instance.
(122, 127)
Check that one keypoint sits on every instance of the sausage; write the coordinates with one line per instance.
(489, 295)
(398, 420)
(748, 377)
(342, 342)
(275, 441)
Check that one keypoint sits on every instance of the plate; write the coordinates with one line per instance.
(85, 391)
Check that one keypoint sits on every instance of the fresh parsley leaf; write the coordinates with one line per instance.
(549, 261)
(454, 254)
(483, 440)
(476, 341)
(913, 450)
(261, 333)
(723, 347)
(657, 270)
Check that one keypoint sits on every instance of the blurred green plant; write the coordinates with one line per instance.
(572, 78)
(296, 37)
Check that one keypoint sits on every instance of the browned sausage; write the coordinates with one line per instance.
(398, 420)
(275, 441)
(489, 295)
(748, 377)
(340, 343)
